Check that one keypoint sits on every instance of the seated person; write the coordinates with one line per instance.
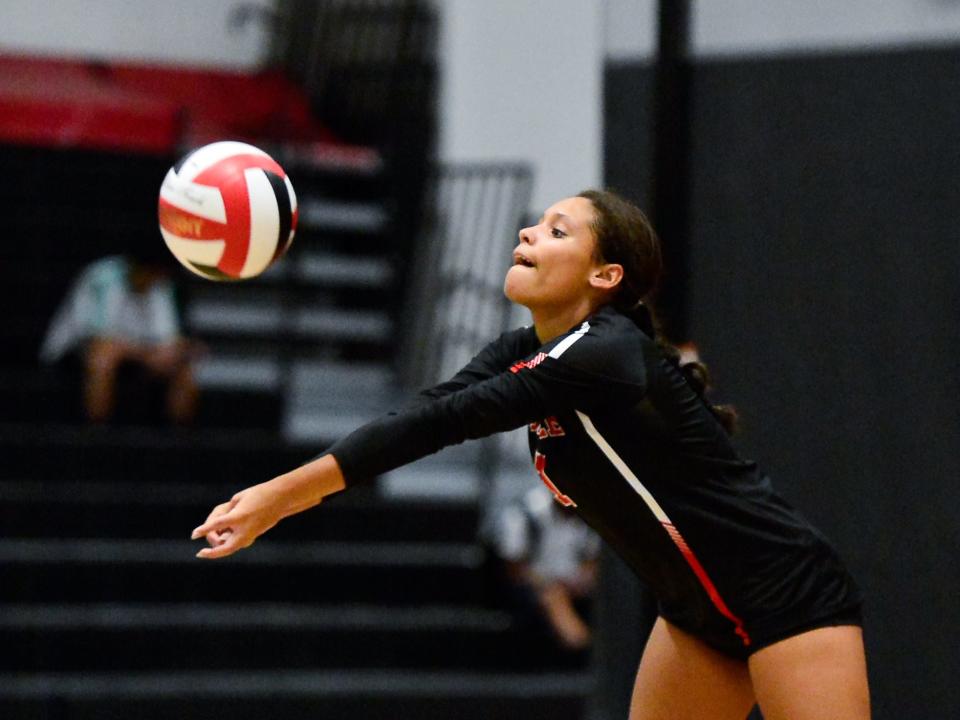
(550, 558)
(120, 323)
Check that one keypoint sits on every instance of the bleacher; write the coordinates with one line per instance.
(377, 605)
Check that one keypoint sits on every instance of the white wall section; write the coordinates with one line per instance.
(523, 80)
(767, 27)
(175, 32)
(630, 29)
(725, 27)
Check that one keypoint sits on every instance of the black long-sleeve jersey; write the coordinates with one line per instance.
(618, 434)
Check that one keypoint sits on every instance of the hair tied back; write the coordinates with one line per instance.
(640, 314)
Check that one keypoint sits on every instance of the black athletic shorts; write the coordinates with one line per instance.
(822, 594)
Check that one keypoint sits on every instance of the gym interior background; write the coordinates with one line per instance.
(814, 211)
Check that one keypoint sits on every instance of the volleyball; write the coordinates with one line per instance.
(227, 211)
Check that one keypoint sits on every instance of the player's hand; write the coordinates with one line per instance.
(236, 524)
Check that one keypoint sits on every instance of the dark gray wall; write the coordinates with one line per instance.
(825, 295)
(628, 124)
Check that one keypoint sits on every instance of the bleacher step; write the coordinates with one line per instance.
(325, 214)
(91, 570)
(46, 638)
(344, 695)
(131, 510)
(329, 269)
(270, 317)
(149, 454)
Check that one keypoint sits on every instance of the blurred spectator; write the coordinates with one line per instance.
(550, 558)
(119, 325)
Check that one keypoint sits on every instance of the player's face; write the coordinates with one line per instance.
(555, 259)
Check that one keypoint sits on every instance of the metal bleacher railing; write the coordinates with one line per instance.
(457, 279)
(456, 303)
(367, 65)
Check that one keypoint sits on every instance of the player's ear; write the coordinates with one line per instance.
(607, 276)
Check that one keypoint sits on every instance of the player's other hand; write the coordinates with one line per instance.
(250, 513)
(236, 524)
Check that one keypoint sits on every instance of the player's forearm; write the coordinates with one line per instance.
(307, 485)
(498, 404)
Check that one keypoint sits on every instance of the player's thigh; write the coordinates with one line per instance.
(681, 678)
(817, 675)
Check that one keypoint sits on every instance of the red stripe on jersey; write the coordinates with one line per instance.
(667, 525)
(705, 581)
(528, 364)
(228, 175)
(540, 463)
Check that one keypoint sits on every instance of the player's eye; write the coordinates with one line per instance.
(557, 232)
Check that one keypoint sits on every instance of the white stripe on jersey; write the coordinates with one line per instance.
(622, 468)
(564, 345)
(672, 531)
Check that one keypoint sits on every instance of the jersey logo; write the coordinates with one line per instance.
(528, 364)
(549, 427)
(540, 463)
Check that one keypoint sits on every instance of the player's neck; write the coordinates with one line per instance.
(551, 322)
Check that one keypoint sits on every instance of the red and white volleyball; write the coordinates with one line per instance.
(227, 211)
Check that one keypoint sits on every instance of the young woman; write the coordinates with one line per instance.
(754, 605)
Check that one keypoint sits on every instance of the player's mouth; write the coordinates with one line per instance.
(521, 259)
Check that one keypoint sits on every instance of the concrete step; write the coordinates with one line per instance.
(94, 570)
(244, 636)
(88, 509)
(148, 454)
(335, 270)
(333, 695)
(271, 317)
(306, 267)
(355, 216)
(235, 371)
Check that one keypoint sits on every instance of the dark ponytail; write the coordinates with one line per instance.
(625, 236)
(698, 377)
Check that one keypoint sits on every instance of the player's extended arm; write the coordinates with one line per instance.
(498, 404)
(236, 523)
(503, 402)
(492, 360)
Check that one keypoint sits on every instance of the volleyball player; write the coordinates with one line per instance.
(754, 604)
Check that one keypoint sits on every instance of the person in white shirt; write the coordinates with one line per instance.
(552, 554)
(120, 321)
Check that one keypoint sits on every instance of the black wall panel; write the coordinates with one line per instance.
(628, 124)
(825, 295)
